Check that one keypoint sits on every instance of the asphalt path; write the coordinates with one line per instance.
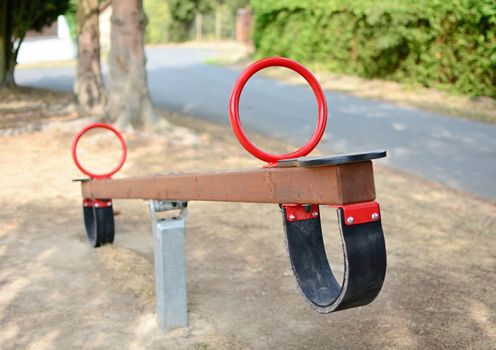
(456, 152)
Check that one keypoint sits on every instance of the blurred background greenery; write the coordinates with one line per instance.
(432, 42)
(435, 43)
(176, 20)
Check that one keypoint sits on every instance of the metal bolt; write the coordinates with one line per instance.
(350, 220)
(375, 216)
(109, 203)
(292, 217)
(97, 205)
(315, 214)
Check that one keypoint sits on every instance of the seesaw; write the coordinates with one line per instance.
(298, 184)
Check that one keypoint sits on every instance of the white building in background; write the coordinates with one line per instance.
(53, 43)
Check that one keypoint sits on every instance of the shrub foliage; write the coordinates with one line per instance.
(450, 44)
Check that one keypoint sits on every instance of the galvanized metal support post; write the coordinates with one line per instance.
(170, 264)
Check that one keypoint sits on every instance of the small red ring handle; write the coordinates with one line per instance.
(102, 126)
(234, 108)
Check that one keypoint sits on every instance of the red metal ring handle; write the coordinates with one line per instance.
(234, 108)
(78, 137)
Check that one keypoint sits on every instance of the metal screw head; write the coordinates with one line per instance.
(315, 214)
(375, 216)
(350, 220)
(292, 217)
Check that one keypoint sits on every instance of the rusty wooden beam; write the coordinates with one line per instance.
(335, 184)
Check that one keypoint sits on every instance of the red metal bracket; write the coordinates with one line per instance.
(297, 212)
(97, 203)
(354, 214)
(360, 213)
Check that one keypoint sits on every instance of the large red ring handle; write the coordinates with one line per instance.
(102, 126)
(234, 108)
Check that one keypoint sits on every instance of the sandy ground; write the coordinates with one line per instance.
(58, 293)
(27, 109)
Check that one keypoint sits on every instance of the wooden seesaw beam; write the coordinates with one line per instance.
(333, 184)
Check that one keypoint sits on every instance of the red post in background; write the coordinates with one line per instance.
(244, 21)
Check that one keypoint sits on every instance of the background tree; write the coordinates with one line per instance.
(229, 7)
(186, 13)
(183, 14)
(157, 30)
(16, 18)
(128, 99)
(88, 83)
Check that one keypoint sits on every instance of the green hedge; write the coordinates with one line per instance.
(440, 43)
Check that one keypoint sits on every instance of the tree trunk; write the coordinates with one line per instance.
(8, 55)
(198, 24)
(88, 83)
(3, 40)
(218, 23)
(128, 99)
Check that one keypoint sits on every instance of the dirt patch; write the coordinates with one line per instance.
(26, 109)
(57, 293)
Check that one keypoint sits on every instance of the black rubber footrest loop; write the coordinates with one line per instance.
(364, 258)
(99, 224)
